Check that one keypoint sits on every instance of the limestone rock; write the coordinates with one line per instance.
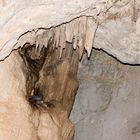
(107, 103)
(117, 32)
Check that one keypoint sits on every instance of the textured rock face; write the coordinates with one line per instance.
(106, 107)
(15, 113)
(107, 103)
(18, 119)
(118, 23)
(15, 19)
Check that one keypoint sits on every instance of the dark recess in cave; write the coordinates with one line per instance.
(51, 81)
(33, 64)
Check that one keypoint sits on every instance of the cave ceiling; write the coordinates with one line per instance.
(109, 25)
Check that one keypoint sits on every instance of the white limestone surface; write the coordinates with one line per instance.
(118, 23)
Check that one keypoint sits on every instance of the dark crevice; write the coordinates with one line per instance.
(47, 76)
(116, 58)
(33, 61)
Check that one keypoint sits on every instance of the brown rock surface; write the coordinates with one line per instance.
(15, 112)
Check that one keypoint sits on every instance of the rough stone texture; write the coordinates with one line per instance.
(20, 16)
(119, 38)
(57, 84)
(15, 113)
(119, 23)
(107, 106)
(18, 120)
(107, 103)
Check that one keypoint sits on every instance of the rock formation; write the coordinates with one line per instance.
(41, 45)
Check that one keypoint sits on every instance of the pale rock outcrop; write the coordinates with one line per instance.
(115, 21)
(15, 113)
(18, 120)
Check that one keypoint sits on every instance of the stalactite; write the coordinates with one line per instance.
(57, 37)
(80, 32)
(75, 33)
(62, 42)
(70, 27)
(91, 28)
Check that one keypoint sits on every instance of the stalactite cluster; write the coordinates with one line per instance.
(80, 32)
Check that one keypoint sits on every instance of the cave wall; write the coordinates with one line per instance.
(15, 122)
(21, 118)
(107, 104)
